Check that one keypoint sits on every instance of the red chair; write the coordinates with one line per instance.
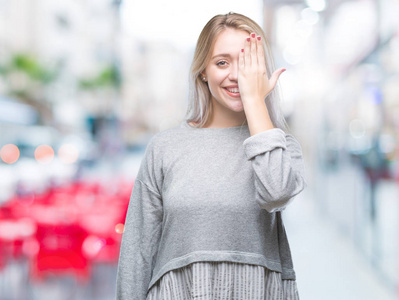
(60, 252)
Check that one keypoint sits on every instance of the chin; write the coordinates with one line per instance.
(237, 106)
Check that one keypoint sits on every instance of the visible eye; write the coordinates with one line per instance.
(222, 63)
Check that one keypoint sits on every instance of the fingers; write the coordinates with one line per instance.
(253, 52)
(254, 59)
(261, 56)
(241, 59)
(253, 55)
(247, 52)
(275, 76)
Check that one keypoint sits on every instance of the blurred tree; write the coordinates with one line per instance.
(108, 77)
(27, 79)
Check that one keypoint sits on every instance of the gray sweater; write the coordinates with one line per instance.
(209, 194)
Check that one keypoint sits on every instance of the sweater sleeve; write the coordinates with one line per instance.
(279, 171)
(143, 226)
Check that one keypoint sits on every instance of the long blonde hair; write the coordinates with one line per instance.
(200, 105)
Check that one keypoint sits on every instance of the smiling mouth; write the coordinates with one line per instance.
(233, 92)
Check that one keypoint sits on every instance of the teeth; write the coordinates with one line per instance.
(234, 90)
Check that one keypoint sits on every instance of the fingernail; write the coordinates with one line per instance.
(242, 50)
(253, 34)
(258, 38)
(284, 70)
(248, 39)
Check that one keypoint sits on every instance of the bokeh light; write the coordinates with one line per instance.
(310, 16)
(119, 228)
(317, 5)
(68, 153)
(44, 154)
(92, 245)
(9, 153)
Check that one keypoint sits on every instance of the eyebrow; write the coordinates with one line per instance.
(221, 55)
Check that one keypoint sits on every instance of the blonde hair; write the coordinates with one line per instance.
(200, 106)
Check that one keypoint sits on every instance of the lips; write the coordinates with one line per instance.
(232, 91)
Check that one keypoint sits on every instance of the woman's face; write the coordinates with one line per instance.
(222, 70)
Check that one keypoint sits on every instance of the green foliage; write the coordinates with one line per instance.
(29, 65)
(108, 77)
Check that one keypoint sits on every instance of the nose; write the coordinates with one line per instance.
(233, 76)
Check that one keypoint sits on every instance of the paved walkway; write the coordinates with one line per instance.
(326, 263)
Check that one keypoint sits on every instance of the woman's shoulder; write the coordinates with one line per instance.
(167, 136)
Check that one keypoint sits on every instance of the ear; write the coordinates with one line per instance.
(203, 77)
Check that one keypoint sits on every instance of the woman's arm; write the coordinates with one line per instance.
(276, 157)
(143, 228)
(279, 171)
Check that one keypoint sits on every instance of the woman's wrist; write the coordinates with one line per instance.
(257, 116)
(252, 101)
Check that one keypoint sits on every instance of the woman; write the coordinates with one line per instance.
(204, 218)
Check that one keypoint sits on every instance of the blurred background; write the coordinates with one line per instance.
(85, 84)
